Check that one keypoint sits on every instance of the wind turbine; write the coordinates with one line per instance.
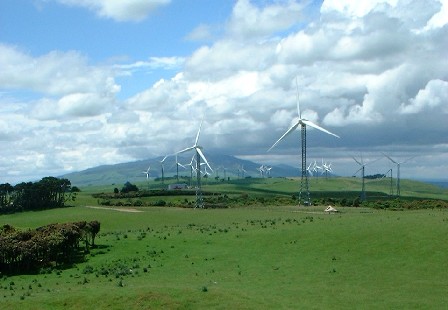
(303, 123)
(177, 168)
(163, 169)
(147, 172)
(191, 164)
(310, 172)
(326, 168)
(199, 155)
(316, 169)
(391, 190)
(398, 170)
(363, 168)
(261, 169)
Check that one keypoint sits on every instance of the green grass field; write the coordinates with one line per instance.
(267, 257)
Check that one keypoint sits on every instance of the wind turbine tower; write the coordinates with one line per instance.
(199, 156)
(147, 174)
(304, 194)
(398, 170)
(163, 169)
(363, 168)
(177, 168)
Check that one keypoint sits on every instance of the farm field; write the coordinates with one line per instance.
(242, 258)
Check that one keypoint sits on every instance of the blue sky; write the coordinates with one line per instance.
(91, 82)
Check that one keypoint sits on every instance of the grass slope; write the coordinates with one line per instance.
(247, 258)
(251, 258)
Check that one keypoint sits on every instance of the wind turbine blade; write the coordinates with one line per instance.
(197, 136)
(357, 162)
(357, 171)
(186, 150)
(203, 157)
(311, 124)
(181, 165)
(390, 158)
(371, 162)
(406, 160)
(284, 135)
(164, 158)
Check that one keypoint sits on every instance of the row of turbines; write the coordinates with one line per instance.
(362, 168)
(198, 160)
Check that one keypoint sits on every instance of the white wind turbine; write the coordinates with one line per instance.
(363, 168)
(262, 170)
(303, 123)
(147, 172)
(398, 170)
(199, 155)
(326, 168)
(177, 168)
(268, 171)
(316, 169)
(163, 169)
(309, 170)
(192, 168)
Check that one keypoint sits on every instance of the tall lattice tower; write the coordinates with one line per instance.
(199, 198)
(304, 194)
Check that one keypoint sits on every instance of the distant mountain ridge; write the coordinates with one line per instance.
(134, 171)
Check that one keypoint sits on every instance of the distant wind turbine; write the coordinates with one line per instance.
(303, 123)
(177, 168)
(398, 170)
(163, 169)
(147, 172)
(199, 156)
(363, 168)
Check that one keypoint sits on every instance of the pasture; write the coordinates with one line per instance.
(243, 258)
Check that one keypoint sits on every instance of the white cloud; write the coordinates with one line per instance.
(249, 21)
(367, 68)
(200, 33)
(119, 10)
(435, 94)
(55, 73)
(354, 8)
(439, 19)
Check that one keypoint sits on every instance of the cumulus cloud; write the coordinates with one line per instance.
(435, 94)
(249, 21)
(369, 68)
(55, 73)
(123, 10)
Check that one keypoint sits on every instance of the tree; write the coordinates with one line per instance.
(49, 192)
(128, 187)
(5, 195)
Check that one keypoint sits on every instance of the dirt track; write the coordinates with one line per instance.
(115, 209)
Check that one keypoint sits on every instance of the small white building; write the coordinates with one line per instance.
(177, 186)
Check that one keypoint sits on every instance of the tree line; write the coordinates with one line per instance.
(50, 245)
(48, 193)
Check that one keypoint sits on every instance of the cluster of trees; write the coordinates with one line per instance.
(54, 244)
(50, 192)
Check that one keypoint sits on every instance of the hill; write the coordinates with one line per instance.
(224, 166)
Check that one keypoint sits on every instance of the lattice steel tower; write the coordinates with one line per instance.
(304, 194)
(199, 199)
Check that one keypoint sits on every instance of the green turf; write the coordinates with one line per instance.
(266, 257)
(249, 258)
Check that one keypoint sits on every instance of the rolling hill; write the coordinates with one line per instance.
(133, 171)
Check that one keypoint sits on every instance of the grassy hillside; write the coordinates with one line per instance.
(245, 258)
(319, 187)
(248, 257)
(132, 171)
